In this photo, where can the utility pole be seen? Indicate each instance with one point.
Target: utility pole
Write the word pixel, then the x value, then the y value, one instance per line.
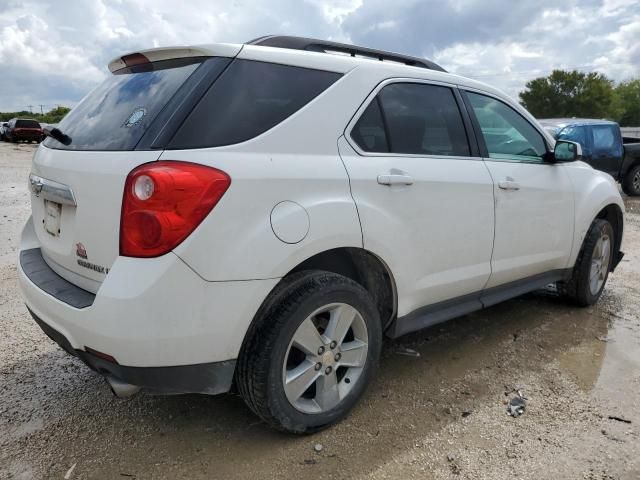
pixel 41 111
pixel 30 108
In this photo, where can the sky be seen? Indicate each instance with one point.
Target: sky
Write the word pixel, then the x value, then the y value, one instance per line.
pixel 55 52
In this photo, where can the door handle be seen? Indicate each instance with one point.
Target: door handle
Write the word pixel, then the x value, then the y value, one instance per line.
pixel 509 185
pixel 395 179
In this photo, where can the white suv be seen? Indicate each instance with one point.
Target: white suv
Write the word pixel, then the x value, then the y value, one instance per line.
pixel 260 215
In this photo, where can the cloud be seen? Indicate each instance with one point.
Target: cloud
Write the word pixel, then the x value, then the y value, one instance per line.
pixel 55 52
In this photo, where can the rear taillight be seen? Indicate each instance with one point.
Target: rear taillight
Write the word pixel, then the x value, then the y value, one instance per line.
pixel 164 202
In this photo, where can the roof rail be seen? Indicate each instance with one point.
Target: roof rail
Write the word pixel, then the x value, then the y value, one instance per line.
pixel 314 45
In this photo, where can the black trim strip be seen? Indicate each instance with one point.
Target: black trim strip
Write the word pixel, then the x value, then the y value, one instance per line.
pixel 468 126
pixel 482 146
pixel 176 110
pixel 456 307
pixel 43 277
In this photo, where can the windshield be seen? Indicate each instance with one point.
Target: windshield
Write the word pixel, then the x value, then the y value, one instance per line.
pixel 117 113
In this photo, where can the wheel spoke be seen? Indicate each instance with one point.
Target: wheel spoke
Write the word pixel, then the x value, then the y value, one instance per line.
pixel 327 393
pixel 341 319
pixel 597 251
pixel 606 251
pixel 299 379
pixel 353 354
pixel 307 338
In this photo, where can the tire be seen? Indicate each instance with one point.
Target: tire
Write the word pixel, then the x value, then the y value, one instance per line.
pixel 631 181
pixel 270 357
pixel 593 261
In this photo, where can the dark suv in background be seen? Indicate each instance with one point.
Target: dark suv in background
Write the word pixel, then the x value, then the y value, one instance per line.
pixel 23 129
pixel 603 147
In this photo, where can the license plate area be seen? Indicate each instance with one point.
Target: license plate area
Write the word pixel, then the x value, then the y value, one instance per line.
pixel 52 214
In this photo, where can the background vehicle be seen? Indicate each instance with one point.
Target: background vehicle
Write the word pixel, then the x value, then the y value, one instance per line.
pixel 263 213
pixel 3 126
pixel 23 130
pixel 603 147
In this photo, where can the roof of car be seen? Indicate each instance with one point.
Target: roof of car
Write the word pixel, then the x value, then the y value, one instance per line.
pixel 564 122
pixel 332 58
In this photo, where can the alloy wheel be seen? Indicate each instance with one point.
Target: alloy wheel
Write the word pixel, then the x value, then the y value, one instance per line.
pixel 325 358
pixel 599 263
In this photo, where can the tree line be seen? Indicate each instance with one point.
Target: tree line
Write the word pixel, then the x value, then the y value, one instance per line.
pixel 586 95
pixel 52 116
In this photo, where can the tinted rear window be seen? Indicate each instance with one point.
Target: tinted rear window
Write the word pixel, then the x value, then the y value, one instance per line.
pixel 27 124
pixel 248 99
pixel 424 120
pixel 117 113
pixel 369 133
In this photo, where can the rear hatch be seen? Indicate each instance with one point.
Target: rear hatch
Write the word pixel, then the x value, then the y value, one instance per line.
pixel 78 178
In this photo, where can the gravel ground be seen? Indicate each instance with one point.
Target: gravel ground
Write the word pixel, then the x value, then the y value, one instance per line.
pixel 439 415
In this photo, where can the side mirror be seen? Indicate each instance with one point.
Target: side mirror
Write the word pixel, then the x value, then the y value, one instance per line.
pixel 566 151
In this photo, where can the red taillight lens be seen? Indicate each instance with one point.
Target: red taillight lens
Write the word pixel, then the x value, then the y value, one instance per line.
pixel 164 202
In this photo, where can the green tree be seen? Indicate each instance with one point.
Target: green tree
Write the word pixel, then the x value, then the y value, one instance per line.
pixel 627 101
pixel 52 116
pixel 569 94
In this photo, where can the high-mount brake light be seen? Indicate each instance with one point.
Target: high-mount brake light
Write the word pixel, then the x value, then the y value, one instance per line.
pixel 135 59
pixel 164 202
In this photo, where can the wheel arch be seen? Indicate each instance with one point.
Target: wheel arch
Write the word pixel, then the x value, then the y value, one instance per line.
pixel 364 268
pixel 612 213
pixel 358 264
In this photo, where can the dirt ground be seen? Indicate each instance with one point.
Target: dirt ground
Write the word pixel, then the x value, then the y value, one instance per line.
pixel 439 415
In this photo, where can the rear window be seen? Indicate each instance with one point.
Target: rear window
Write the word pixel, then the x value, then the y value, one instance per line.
pixel 27 124
pixel 117 113
pixel 248 99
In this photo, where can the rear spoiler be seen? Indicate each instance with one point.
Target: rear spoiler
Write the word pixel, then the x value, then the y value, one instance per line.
pixel 169 53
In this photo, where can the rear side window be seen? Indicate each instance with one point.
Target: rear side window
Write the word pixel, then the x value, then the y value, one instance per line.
pixel 418 119
pixel 118 112
pixel 369 133
pixel 248 99
pixel 27 124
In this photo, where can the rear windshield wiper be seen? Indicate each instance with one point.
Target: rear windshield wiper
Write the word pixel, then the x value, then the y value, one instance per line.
pixel 57 134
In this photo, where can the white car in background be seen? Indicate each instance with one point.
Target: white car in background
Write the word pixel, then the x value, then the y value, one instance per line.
pixel 260 215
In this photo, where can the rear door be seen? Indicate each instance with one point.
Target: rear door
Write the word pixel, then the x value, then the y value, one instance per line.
pixel 533 200
pixel 424 196
pixel 77 186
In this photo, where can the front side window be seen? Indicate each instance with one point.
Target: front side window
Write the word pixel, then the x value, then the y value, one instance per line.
pixel 413 118
pixel 506 133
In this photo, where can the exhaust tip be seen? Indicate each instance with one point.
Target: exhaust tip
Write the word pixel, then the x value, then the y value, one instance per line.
pixel 121 389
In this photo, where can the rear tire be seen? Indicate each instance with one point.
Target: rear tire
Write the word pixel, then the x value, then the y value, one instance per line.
pixel 631 181
pixel 311 353
pixel 592 268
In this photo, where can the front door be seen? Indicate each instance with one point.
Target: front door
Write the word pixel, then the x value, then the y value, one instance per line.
pixel 533 199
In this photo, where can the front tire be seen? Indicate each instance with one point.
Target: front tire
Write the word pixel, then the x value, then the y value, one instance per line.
pixel 631 182
pixel 593 265
pixel 312 352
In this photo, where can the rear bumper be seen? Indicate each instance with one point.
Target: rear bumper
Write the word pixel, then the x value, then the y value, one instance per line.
pixel 154 316
pixel 27 136
pixel 209 378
